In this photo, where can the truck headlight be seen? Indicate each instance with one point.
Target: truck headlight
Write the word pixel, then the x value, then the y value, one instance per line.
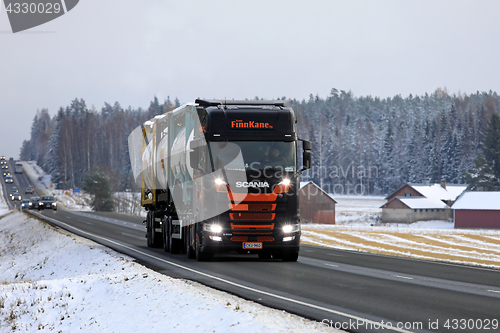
pixel 220 185
pixel 289 228
pixel 216 228
pixel 283 186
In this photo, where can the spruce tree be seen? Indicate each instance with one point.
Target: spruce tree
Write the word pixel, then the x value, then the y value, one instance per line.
pixel 491 145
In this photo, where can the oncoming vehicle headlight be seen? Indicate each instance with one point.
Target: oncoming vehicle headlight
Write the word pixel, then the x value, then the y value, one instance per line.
pixel 289 228
pixel 54 204
pixel 212 228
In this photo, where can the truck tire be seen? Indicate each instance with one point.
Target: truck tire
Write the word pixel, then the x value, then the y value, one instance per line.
pixel 175 245
pixel 190 253
pixel 149 231
pixel 202 254
pixel 164 232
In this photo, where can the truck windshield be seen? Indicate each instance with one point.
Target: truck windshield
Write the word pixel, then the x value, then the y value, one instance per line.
pixel 257 155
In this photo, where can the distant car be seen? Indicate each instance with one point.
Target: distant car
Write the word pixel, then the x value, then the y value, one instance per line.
pixel 16 196
pixel 26 203
pixel 5 166
pixel 13 191
pixel 2 158
pixel 11 159
pixel 34 202
pixel 6 173
pixel 9 179
pixel 47 202
pixel 29 190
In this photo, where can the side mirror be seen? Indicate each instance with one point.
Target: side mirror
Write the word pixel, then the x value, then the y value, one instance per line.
pixel 306 160
pixel 306 145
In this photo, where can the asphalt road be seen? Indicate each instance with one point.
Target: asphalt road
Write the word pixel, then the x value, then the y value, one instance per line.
pixel 359 292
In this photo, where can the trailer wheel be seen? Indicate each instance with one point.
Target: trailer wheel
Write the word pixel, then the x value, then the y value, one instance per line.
pixel 149 231
pixel 164 232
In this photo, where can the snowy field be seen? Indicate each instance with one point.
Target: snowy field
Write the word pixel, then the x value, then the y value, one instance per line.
pixel 430 240
pixel 53 281
pixel 359 228
pixel 358 210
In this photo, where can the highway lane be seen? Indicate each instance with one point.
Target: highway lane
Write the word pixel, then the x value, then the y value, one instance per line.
pixel 325 284
pixel 20 181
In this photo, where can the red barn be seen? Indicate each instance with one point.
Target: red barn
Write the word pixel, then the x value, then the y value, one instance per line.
pixel 316 206
pixel 477 210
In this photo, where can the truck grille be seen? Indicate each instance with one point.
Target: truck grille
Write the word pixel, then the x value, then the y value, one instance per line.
pixel 252 216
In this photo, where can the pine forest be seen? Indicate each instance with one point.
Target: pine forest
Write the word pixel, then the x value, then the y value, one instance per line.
pixel 361 145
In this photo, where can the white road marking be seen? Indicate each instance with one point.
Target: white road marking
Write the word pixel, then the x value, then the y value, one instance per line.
pixel 403 277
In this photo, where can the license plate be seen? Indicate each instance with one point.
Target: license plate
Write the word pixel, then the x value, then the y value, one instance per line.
pixel 252 245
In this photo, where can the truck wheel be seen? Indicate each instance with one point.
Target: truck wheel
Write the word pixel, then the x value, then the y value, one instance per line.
pixel 157 238
pixel 190 253
pixel 202 254
pixel 175 244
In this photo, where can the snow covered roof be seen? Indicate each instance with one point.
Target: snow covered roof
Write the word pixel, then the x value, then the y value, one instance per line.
pixel 437 192
pixel 302 184
pixel 421 202
pixel 479 201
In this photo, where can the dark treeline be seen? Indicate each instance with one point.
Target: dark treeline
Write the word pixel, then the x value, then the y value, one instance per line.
pixel 361 145
pixel 77 139
pixel 366 145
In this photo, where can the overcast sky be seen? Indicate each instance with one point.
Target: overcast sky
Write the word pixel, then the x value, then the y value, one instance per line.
pixel 130 51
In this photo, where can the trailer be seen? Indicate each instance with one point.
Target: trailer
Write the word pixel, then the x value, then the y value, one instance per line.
pixel 221 176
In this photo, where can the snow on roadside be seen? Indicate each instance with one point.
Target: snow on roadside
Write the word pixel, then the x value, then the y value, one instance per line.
pixel 39 179
pixel 51 280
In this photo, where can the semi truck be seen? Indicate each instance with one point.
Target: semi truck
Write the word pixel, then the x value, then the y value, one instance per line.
pixel 18 167
pixel 221 176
